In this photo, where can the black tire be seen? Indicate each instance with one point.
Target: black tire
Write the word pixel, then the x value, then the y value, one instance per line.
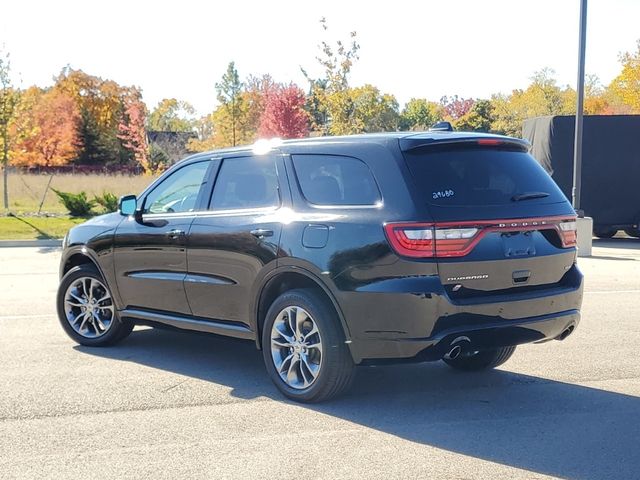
pixel 336 368
pixel 481 360
pixel 604 232
pixel 117 329
pixel 632 232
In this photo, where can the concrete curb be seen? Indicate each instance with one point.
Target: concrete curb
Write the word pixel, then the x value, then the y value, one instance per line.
pixel 30 243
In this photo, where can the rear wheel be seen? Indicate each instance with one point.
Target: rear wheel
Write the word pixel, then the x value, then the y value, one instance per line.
pixel 604 232
pixel 485 359
pixel 304 348
pixel 632 232
pixel 86 309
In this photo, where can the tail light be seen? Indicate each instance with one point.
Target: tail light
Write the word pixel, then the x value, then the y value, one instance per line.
pixel 568 231
pixel 427 240
pixel 442 240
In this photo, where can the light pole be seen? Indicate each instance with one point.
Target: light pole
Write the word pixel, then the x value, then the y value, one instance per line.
pixel 577 151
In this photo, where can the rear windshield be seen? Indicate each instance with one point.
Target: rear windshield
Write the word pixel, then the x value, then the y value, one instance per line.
pixel 481 176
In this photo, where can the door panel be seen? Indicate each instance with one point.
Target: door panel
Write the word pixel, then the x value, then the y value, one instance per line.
pixel 150 247
pixel 151 264
pixel 232 245
pixel 224 261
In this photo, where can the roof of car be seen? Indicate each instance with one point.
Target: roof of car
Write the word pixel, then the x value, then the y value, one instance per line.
pixel 408 139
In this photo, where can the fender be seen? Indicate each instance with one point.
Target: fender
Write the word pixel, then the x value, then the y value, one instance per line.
pixel 99 262
pixel 302 270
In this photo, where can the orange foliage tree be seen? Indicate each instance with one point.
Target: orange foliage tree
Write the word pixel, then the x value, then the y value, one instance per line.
pixel 132 132
pixel 46 129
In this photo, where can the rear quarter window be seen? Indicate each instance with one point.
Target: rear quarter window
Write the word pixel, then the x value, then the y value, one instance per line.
pixel 479 176
pixel 335 180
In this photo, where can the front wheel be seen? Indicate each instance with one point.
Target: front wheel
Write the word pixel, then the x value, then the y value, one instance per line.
pixel 485 359
pixel 86 309
pixel 304 348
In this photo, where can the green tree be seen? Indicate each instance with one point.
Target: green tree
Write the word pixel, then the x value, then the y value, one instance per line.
pixel 230 116
pixel 171 115
pixel 331 101
pixel 372 111
pixel 8 101
pixel 478 119
pixel 420 114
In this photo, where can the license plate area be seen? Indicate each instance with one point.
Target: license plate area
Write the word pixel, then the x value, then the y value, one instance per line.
pixel 518 244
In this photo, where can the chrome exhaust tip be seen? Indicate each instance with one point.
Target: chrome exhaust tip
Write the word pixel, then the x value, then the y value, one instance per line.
pixel 455 348
pixel 453 353
pixel 568 331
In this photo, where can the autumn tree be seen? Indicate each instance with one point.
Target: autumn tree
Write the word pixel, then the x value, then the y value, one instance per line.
pixel 205 135
pixel 420 114
pixel 543 96
pixel 172 115
pixel 46 130
pixel 132 133
pixel 596 101
pixel 100 103
pixel 284 114
pixel 625 88
pixel 256 91
pixel 455 107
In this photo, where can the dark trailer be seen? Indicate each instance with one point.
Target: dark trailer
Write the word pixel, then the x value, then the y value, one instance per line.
pixel 610 165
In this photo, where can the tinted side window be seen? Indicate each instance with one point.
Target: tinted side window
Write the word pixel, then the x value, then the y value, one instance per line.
pixel 335 180
pixel 179 191
pixel 246 182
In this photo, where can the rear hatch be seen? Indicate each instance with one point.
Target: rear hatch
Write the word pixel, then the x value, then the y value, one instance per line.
pixel 499 222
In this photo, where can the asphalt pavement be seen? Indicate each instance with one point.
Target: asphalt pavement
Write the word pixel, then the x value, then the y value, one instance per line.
pixel 183 405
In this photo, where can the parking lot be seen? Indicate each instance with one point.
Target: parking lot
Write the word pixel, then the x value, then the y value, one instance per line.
pixel 178 405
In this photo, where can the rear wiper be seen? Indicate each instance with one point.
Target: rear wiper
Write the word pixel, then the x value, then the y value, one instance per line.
pixel 528 196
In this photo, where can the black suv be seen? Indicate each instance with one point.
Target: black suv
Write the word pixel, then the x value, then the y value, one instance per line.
pixel 335 252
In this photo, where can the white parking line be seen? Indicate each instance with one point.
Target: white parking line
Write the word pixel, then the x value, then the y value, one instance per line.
pixel 612 291
pixel 15 317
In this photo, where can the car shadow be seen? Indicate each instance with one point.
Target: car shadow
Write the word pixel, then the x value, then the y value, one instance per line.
pixel 617 242
pixel 607 257
pixel 527 422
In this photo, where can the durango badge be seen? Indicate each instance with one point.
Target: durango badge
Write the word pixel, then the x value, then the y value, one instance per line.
pixel 468 277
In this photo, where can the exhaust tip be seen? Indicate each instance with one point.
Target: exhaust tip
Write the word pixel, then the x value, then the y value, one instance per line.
pixel 453 353
pixel 568 331
pixel 455 348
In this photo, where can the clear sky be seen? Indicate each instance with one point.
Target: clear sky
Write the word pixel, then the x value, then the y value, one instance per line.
pixel 425 48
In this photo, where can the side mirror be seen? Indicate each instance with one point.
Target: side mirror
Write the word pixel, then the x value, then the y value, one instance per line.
pixel 127 205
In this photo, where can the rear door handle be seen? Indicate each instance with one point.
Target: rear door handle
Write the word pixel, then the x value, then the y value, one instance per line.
pixel 175 233
pixel 262 232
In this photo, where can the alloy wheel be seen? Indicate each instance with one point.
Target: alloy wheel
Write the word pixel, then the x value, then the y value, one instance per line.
pixel 296 347
pixel 89 307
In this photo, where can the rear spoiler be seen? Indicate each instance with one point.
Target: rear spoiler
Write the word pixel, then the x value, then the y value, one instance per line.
pixel 414 142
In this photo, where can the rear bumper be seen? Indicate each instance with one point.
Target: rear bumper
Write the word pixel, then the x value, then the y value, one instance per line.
pixel 416 320
pixel 488 335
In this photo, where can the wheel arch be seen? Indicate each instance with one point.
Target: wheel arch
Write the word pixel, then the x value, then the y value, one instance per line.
pixel 82 255
pixel 289 278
